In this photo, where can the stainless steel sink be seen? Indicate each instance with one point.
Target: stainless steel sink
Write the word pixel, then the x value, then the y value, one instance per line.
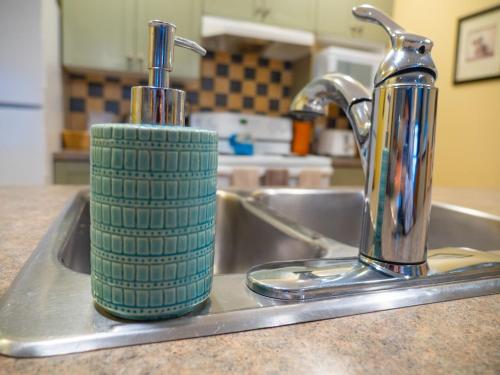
pixel 48 309
pixel 246 235
pixel 337 214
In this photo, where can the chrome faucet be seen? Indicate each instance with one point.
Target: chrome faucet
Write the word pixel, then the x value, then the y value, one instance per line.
pixel 394 129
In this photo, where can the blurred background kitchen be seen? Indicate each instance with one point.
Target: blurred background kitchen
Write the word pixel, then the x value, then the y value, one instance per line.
pixel 67 64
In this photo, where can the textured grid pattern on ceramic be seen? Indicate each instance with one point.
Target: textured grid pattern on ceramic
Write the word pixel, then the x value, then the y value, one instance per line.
pixel 153 197
pixel 229 82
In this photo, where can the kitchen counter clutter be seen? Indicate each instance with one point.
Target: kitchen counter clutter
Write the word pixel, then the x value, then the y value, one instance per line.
pixel 72 167
pixel 451 337
pixel 264 166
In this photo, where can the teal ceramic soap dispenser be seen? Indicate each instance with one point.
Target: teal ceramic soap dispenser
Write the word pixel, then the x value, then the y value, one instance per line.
pixel 153 198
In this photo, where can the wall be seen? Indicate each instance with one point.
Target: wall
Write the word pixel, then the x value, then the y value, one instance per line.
pixel 52 85
pixel 468 121
pixel 229 82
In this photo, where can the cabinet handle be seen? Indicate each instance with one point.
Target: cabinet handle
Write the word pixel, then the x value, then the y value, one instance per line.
pixel 356 30
pixel 138 61
pixel 260 9
pixel 256 8
pixel 265 12
pixel 130 61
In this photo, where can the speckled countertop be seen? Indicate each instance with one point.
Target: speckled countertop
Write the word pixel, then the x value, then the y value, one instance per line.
pixel 450 337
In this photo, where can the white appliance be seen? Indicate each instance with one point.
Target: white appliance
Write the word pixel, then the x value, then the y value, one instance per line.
pixel 31 104
pixel 337 142
pixel 361 65
pixel 271 135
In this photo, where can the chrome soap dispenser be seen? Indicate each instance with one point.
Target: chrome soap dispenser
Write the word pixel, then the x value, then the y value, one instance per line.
pixel 153 199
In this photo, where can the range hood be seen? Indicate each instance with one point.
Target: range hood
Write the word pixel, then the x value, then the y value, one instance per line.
pixel 242 36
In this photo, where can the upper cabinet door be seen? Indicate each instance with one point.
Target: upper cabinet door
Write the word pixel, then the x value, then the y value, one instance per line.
pixel 98 34
pixel 186 15
pixel 247 10
pixel 334 18
pixel 294 14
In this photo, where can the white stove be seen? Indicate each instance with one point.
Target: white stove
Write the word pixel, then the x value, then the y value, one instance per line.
pixel 270 135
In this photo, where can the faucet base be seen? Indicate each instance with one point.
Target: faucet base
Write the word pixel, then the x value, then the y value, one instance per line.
pixel 395 269
pixel 327 278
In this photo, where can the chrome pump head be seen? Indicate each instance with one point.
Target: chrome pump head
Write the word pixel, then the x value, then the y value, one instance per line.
pixel 157 103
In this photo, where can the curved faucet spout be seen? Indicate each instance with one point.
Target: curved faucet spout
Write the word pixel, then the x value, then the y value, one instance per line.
pixel 395 135
pixel 349 94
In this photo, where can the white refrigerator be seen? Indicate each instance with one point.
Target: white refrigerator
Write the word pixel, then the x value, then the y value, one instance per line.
pixel 31 98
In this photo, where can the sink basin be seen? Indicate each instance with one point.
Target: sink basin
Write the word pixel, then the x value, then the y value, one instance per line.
pixel 237 247
pixel 52 291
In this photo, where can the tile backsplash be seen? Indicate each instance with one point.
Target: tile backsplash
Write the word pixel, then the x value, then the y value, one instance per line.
pixel 96 92
pixel 229 82
pixel 242 83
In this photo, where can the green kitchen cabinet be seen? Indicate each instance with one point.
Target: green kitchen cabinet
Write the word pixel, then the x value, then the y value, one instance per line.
pixel 246 10
pixel 98 34
pixel 186 15
pixel 334 18
pixel 112 34
pixel 71 172
pixel 294 14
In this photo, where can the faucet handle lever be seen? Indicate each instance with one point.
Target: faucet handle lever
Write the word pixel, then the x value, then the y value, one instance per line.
pixel 371 14
pixel 408 50
pixel 399 36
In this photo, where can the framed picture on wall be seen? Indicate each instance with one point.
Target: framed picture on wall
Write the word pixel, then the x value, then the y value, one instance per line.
pixel 477 55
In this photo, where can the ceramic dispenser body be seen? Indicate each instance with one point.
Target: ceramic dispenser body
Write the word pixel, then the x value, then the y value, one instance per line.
pixel 153 204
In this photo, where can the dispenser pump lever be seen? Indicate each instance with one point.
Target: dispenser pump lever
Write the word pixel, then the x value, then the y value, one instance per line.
pixel 157 103
pixel 162 40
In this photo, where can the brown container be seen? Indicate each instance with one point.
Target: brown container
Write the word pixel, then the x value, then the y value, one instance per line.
pixel 75 139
